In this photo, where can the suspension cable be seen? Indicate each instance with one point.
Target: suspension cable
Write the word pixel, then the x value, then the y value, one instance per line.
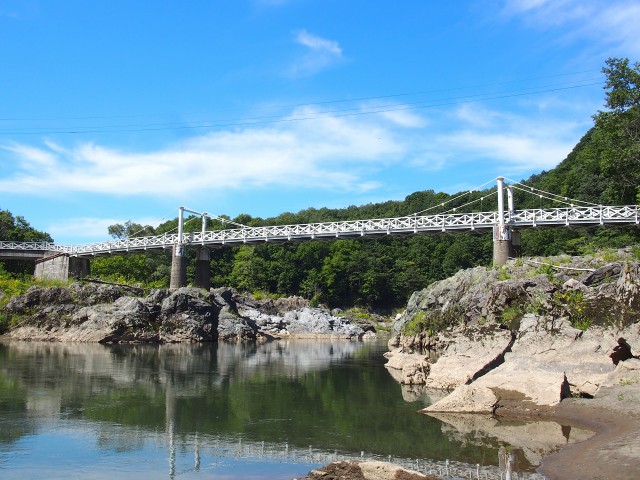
pixel 480 199
pixel 554 196
pixel 442 204
pixel 164 217
pixel 226 220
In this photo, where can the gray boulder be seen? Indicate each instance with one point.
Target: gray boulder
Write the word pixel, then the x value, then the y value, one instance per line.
pixel 235 328
pixel 313 322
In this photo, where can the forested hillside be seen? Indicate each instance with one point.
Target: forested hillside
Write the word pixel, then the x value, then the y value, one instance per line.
pixel 603 168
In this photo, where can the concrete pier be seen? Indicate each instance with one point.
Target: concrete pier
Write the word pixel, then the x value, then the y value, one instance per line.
pixel 501 245
pixel 60 266
pixel 203 271
pixel 178 267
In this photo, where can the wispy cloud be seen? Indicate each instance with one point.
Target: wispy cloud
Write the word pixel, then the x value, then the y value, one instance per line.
pixel 613 22
pixel 327 151
pixel 319 55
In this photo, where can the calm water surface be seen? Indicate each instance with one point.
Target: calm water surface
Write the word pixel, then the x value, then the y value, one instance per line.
pixel 270 411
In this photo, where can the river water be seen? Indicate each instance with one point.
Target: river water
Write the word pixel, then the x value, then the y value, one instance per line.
pixel 271 411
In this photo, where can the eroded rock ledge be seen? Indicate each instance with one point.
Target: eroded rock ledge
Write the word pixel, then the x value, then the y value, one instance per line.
pixel 521 338
pixel 85 312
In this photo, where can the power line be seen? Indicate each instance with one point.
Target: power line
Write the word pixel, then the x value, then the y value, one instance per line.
pixel 325 102
pixel 282 119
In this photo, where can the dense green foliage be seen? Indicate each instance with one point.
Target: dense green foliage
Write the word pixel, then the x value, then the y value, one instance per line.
pixel 603 168
pixel 18 229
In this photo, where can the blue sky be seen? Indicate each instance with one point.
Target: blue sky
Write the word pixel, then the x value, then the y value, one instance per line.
pixel 117 110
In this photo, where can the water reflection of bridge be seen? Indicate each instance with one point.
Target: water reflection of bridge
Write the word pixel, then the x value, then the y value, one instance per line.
pixel 57 379
pixel 216 451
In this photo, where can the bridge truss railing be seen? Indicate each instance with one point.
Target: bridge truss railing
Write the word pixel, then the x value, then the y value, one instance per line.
pixel 449 222
pixel 30 246
pixel 575 216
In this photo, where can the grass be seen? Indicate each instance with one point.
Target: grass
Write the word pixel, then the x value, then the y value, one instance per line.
pixel 416 325
pixel 433 323
pixel 503 273
pixel 510 314
pixel 261 295
pixel 12 286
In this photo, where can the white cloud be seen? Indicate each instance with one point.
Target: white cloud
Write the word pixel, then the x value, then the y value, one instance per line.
pixel 320 54
pixel 328 153
pixel 318 44
pixel 498 141
pixel 405 118
pixel 515 152
pixel 614 23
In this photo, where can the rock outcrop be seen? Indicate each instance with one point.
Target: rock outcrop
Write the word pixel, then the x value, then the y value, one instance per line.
pixel 519 339
pixel 87 312
pixel 366 470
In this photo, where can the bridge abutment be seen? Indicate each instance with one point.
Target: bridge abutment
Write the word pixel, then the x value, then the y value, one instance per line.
pixel 178 267
pixel 203 271
pixel 60 266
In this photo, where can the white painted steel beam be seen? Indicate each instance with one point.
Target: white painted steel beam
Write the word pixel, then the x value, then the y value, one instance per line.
pixel 420 225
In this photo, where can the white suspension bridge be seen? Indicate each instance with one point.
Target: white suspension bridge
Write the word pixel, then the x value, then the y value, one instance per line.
pixel 53 260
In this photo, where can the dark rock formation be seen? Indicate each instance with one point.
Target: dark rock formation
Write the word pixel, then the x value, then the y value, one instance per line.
pixel 93 312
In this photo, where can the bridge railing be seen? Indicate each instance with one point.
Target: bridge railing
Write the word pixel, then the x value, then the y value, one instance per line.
pixel 413 224
pixel 576 215
pixel 30 246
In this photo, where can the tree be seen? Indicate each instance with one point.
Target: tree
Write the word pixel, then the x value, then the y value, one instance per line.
pixel 248 272
pixel 18 229
pixel 130 230
pixel 617 135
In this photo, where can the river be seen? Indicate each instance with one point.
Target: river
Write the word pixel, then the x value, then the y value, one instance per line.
pixel 271 411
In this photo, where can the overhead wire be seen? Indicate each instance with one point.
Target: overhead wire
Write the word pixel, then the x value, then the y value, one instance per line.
pixel 289 118
pixel 325 102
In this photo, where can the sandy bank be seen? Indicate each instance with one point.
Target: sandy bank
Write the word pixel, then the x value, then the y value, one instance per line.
pixel 613 453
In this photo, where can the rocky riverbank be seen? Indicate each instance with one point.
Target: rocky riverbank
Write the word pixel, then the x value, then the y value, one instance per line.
pixel 105 313
pixel 371 470
pixel 538 338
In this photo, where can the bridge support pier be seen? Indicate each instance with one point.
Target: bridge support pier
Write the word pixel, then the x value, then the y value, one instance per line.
pixel 506 244
pixel 60 266
pixel 506 240
pixel 203 271
pixel 178 267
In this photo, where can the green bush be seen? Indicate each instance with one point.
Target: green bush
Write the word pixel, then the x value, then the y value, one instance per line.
pixel 416 325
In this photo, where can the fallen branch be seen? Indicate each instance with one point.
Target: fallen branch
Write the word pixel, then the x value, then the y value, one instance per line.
pixel 559 267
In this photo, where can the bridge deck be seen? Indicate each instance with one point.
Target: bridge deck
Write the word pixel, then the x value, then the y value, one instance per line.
pixel 411 225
